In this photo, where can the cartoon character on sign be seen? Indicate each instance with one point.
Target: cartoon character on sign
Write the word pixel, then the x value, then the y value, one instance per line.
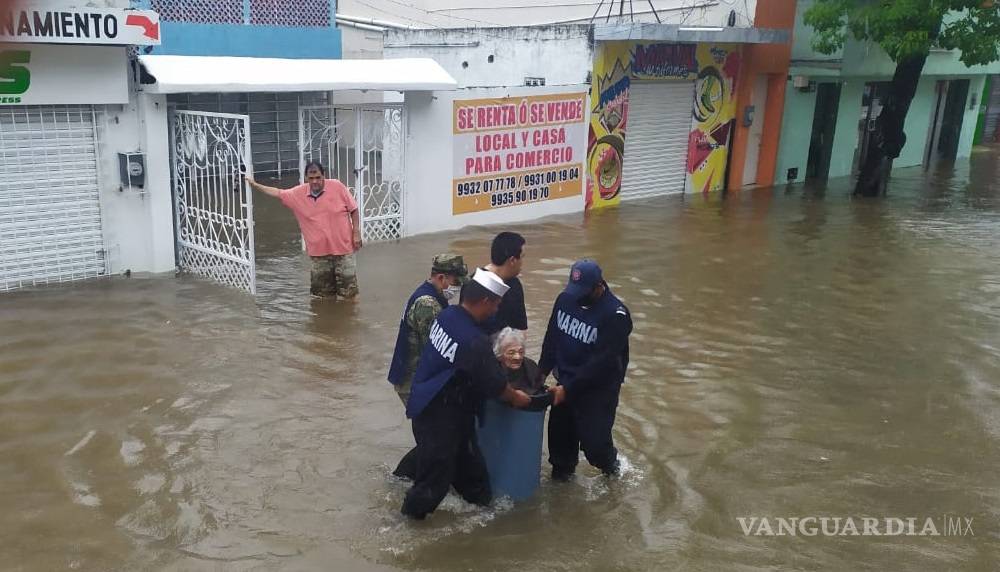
pixel 713 113
pixel 604 157
pixel 709 96
pixel 606 160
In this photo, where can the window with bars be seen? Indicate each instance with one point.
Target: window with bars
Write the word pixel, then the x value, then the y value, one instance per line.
pixel 274 122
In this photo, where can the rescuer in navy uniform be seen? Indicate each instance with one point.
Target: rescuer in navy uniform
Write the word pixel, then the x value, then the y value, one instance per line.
pixel 586 345
pixel 456 372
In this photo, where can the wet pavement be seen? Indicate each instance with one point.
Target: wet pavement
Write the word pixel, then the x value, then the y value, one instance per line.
pixel 796 353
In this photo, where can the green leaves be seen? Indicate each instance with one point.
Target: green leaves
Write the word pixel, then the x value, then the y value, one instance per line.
pixel 976 34
pixel 909 28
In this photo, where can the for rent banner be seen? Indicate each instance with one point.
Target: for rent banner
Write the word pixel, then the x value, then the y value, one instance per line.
pixel 517 150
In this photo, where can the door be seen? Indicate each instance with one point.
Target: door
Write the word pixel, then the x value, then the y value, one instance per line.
pixel 824 128
pixel 210 153
pixel 952 119
pixel 363 145
pixel 50 209
pixel 758 100
pixel 656 140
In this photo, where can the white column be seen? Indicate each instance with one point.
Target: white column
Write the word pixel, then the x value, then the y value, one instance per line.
pixel 155 143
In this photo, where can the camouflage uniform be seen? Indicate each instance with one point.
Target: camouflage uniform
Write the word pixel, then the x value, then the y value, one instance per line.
pixel 421 315
pixel 334 275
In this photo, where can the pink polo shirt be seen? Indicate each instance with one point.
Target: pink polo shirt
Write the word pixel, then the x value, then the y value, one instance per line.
pixel 325 221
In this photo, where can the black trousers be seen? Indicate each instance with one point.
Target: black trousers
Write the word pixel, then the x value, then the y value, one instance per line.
pixel 584 422
pixel 447 455
pixel 407 467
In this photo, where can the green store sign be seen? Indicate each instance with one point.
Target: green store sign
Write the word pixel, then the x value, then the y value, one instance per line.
pixel 15 78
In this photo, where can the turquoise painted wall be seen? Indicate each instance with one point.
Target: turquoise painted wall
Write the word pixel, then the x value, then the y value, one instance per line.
pixel 796 129
pixel 845 140
pixel 918 124
pixel 971 117
pixel 865 59
pixel 247 39
pixel 184 39
pixel 800 108
pixel 793 149
pixel 802 37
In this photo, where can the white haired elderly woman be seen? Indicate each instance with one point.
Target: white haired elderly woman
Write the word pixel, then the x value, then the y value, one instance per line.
pixel 522 372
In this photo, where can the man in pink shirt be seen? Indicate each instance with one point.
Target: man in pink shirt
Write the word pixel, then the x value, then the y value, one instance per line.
pixel 328 219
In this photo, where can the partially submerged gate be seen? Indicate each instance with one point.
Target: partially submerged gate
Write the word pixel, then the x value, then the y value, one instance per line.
pixel 362 145
pixel 213 205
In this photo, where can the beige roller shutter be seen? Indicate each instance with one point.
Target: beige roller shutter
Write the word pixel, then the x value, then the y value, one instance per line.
pixel 50 212
pixel 656 142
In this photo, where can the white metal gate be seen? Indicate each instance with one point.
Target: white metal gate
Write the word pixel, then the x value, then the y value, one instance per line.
pixel 362 145
pixel 274 122
pixel 213 203
pixel 656 143
pixel 50 210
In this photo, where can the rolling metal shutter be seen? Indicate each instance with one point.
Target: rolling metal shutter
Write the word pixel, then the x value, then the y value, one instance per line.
pixel 656 142
pixel 992 123
pixel 50 212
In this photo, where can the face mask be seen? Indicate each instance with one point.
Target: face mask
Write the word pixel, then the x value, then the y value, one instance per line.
pixel 452 292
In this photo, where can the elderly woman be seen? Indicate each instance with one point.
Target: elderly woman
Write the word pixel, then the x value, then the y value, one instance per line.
pixel 522 372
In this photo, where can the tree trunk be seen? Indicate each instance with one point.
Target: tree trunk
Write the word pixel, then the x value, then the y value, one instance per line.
pixel 888 136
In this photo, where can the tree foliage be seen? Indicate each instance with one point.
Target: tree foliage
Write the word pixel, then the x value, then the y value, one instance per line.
pixel 910 28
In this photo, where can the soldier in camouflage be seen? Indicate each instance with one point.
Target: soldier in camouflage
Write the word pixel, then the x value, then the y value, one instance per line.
pixel 448 274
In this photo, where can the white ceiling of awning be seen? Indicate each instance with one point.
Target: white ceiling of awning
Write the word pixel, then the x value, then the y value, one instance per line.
pixel 191 74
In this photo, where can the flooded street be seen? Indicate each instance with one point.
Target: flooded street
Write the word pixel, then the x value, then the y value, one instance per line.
pixel 796 353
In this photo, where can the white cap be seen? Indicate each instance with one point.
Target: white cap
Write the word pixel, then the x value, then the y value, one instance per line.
pixel 490 281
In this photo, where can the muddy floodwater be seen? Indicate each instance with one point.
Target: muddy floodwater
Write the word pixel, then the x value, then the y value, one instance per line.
pixel 796 353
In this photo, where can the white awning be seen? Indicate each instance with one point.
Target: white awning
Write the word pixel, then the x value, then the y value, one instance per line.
pixel 199 74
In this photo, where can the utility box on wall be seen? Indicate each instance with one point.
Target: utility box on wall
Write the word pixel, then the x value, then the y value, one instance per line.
pixel 132 170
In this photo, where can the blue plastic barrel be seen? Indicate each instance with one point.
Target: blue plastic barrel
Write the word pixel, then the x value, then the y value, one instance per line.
pixel 511 442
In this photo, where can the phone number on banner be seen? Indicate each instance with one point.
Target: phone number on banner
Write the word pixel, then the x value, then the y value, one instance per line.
pixel 517 189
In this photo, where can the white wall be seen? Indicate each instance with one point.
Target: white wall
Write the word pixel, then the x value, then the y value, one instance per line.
pixel 427 204
pixel 359 44
pixel 560 54
pixel 971 116
pixel 465 13
pixel 138 223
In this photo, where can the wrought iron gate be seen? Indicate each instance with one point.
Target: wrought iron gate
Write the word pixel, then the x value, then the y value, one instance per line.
pixel 212 202
pixel 362 145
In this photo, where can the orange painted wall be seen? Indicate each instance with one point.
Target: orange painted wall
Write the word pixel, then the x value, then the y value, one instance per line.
pixel 773 60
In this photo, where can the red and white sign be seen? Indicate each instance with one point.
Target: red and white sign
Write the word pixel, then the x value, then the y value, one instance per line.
pixel 39 24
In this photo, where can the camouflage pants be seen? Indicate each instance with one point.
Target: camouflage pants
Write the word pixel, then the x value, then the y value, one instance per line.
pixel 334 276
